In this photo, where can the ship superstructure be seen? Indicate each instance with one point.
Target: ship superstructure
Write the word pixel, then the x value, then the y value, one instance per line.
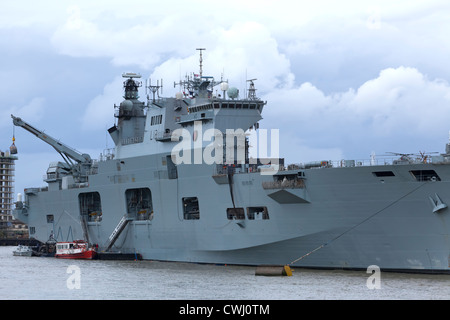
pixel 181 186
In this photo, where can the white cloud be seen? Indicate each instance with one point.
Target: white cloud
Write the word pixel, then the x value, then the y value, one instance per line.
pixel 245 50
pixel 33 111
pixel 397 108
pixel 313 62
pixel 319 39
pixel 28 13
pixel 142 43
pixel 98 115
pixel 404 99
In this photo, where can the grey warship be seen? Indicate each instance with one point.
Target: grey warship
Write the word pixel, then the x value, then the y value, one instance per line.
pixel 238 210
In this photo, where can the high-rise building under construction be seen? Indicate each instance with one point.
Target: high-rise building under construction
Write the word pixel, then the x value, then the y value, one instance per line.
pixel 7 168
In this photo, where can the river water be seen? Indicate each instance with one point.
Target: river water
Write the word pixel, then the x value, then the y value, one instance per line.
pixel 31 278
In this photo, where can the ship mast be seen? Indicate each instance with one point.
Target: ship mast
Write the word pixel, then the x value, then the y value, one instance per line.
pixel 201 61
pixel 252 90
pixel 199 86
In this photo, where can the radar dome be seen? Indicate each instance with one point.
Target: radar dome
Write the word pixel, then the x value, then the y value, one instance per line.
pixel 224 86
pixel 233 93
pixel 126 105
pixel 179 95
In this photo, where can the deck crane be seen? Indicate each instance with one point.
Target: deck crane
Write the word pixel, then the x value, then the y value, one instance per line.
pixel 79 164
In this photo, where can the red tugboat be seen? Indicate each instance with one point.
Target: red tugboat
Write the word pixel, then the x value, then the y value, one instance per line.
pixel 78 249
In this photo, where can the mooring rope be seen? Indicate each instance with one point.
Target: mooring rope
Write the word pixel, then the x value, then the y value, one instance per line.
pixel 357 225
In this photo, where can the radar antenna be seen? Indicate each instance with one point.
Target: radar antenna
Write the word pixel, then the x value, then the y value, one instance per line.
pixel 131 86
pixel 201 61
pixel 154 89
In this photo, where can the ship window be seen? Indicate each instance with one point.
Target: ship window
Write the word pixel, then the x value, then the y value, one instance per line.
pixel 139 203
pixel 235 213
pixel 32 230
pixel 384 174
pixel 425 175
pixel 156 120
pixel 50 218
pixel 172 171
pixel 191 210
pixel 90 205
pixel 257 213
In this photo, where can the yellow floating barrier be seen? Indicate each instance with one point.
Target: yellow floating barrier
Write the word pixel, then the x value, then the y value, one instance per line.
pixel 272 271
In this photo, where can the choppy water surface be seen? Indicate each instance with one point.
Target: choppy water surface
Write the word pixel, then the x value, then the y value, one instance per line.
pixel 51 278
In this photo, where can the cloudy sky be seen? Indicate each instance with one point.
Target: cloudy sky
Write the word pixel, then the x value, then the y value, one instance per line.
pixel 342 78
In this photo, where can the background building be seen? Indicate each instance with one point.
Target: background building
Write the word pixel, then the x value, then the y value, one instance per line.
pixel 9 227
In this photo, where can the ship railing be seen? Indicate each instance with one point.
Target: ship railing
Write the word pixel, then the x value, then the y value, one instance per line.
pixel 265 165
pixel 282 184
pixel 35 190
pixel 382 161
pixel 119 113
pixel 107 154
pixel 233 169
pixel 164 136
pixel 365 162
pixel 376 162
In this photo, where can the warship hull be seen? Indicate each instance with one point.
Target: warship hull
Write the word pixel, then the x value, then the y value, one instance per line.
pixel 150 198
pixel 353 217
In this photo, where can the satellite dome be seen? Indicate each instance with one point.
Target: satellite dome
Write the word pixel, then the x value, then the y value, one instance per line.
pixel 224 86
pixel 126 105
pixel 179 95
pixel 233 93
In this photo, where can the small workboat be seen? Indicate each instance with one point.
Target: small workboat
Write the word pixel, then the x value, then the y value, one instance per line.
pixel 78 249
pixel 24 251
